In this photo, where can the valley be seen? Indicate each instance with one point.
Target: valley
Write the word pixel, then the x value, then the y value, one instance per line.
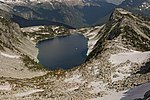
pixel 76 14
pixel 117 59
pixel 114 64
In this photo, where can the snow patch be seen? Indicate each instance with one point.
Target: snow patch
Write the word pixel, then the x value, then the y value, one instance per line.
pixel 97 87
pixel 122 11
pixel 72 89
pixel 28 92
pixel 92 35
pixel 45 33
pixel 6 87
pixel 55 28
pixel 9 56
pixel 32 29
pixel 75 78
pixel 121 73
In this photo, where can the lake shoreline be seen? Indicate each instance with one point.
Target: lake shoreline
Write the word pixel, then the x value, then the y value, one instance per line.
pixel 63 51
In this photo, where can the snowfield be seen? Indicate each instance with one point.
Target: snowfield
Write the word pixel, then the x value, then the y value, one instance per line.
pixel 124 71
pixel 137 57
pixel 137 92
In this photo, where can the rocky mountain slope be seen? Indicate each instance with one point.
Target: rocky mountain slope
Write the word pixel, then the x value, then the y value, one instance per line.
pixel 15 48
pixel 118 58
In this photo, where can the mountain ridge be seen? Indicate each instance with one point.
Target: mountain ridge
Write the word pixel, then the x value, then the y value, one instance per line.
pixel 120 22
pixel 72 15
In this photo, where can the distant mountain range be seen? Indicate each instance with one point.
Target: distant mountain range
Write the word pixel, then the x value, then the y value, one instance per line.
pixel 74 13
pixel 137 6
pixel 69 2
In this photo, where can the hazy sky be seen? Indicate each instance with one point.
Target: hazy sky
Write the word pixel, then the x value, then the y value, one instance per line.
pixel 115 1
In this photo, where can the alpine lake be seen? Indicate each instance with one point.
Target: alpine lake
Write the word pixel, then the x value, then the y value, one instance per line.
pixel 63 52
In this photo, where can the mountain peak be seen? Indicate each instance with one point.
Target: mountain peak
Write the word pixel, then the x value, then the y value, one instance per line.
pixel 122 11
pixel 131 30
pixel 119 13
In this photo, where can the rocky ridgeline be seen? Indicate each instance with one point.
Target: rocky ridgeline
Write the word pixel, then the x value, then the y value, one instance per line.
pixel 131 30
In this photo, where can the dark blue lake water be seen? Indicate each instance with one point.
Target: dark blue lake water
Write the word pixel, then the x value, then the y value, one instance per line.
pixel 63 52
